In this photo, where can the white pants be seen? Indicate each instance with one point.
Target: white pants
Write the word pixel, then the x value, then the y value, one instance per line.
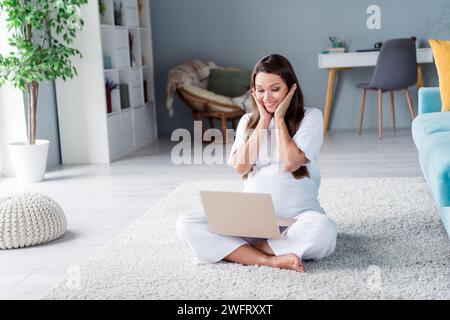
pixel 311 237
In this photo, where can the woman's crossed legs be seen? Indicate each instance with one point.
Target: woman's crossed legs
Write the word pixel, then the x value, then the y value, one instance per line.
pixel 312 236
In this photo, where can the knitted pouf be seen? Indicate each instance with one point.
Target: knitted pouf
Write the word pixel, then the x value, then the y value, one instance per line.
pixel 27 219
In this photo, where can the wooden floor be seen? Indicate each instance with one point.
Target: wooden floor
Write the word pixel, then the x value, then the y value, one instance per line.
pixel 102 200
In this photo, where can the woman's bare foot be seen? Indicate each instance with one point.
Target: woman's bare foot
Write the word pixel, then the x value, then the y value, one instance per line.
pixel 287 261
pixel 250 256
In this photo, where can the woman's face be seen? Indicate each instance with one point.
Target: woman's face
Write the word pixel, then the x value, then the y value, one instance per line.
pixel 270 90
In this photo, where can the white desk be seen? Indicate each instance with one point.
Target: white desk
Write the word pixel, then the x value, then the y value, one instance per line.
pixel 335 62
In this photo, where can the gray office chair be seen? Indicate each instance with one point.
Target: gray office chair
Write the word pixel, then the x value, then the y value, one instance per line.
pixel 396 69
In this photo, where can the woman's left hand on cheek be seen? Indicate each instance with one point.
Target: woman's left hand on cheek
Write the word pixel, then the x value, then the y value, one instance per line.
pixel 284 105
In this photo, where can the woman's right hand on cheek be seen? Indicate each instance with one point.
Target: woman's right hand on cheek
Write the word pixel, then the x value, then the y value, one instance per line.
pixel 263 114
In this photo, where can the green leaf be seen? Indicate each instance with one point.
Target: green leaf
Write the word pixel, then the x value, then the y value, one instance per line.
pixel 28 61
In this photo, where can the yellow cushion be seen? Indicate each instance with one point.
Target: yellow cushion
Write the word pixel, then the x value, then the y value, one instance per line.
pixel 441 53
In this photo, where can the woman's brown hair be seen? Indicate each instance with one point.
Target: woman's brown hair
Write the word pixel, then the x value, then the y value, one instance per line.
pixel 279 65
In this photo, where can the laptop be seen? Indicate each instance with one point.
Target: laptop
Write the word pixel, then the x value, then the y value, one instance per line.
pixel 243 214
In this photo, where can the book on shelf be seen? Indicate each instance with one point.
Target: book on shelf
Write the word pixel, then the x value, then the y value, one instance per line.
pixel 124 96
pixel 145 91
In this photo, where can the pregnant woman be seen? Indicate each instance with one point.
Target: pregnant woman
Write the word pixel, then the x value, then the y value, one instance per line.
pixel 275 151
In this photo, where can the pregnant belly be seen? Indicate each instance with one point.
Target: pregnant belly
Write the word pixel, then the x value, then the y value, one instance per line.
pixel 289 196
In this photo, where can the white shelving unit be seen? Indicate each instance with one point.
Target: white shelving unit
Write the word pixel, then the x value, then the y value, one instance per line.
pixel 117 47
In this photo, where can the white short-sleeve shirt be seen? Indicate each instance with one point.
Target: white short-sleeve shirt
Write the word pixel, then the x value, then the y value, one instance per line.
pixel 290 196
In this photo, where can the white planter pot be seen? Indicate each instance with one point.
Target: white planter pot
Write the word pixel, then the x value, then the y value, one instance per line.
pixel 30 160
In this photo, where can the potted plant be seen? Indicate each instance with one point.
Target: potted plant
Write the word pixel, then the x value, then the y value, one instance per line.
pixel 109 87
pixel 41 34
pixel 101 8
pixel 102 11
pixel 118 13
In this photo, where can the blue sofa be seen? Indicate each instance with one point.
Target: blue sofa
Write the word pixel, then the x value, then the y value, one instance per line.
pixel 431 134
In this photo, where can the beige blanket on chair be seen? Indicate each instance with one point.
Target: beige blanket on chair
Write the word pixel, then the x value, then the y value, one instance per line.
pixel 191 72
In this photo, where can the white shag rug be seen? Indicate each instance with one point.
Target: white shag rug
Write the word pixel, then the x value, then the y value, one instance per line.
pixel 391 245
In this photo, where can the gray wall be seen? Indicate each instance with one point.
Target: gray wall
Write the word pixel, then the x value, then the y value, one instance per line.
pixel 47 121
pixel 239 32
